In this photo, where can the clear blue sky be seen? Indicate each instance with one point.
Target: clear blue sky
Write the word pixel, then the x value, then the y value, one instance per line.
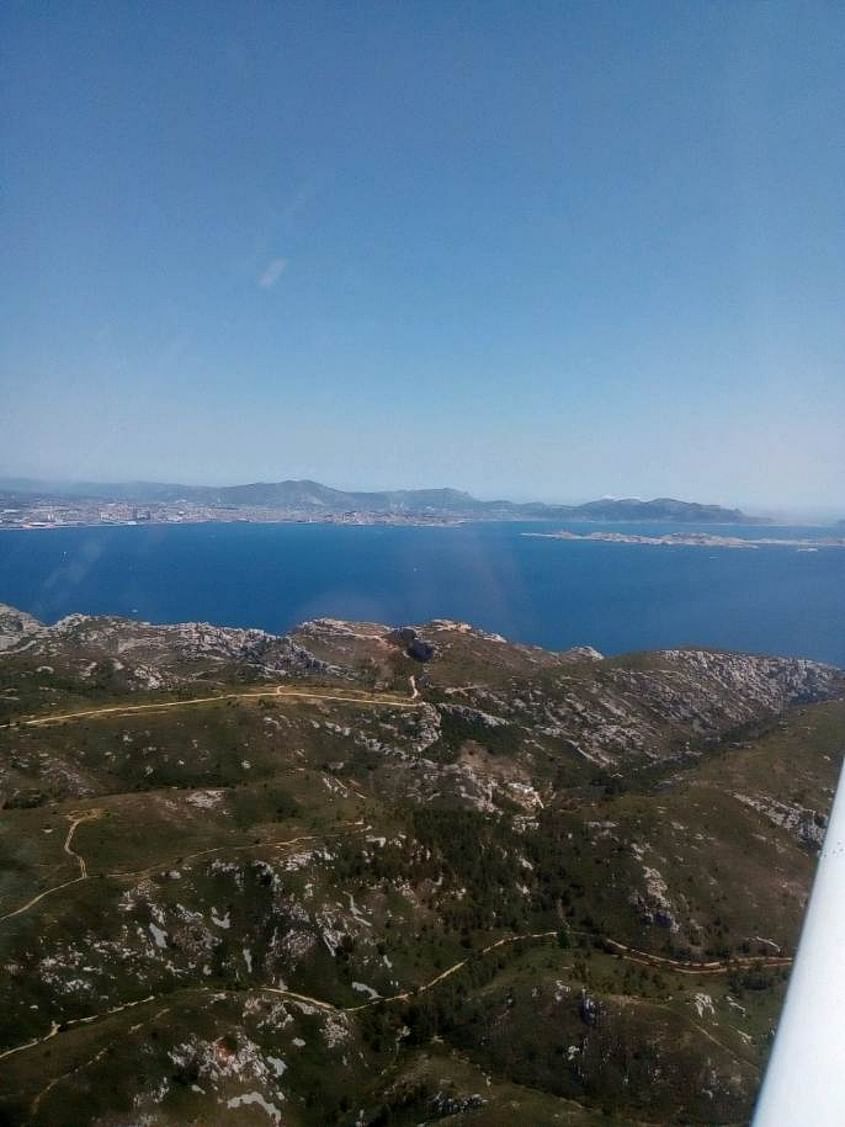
pixel 548 250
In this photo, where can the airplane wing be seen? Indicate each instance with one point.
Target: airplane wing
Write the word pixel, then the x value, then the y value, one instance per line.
pixel 805 1078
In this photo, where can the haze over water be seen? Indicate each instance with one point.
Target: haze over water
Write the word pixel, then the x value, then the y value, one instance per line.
pixel 551 593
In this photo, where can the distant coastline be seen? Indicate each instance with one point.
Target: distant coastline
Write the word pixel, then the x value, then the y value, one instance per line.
pixel 31 504
pixel 349 520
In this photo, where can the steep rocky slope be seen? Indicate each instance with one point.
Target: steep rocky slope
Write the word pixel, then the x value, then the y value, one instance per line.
pixel 363 875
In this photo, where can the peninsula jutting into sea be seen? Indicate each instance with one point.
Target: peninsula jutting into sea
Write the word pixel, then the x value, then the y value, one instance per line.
pixel 25 503
pixel 697 540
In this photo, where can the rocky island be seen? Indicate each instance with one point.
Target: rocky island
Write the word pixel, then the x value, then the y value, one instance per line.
pixel 696 540
pixel 359 874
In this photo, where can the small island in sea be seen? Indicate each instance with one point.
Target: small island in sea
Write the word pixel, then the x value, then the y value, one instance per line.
pixel 697 540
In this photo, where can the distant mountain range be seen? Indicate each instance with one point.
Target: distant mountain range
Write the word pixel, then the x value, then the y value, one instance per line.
pixel 313 498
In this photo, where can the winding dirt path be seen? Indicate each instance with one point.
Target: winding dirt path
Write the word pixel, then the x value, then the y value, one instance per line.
pixel 716 966
pixel 76 820
pixel 350 696
pixel 91 1060
pixel 56 1027
pixel 407 995
pixel 91 815
pixel 169 863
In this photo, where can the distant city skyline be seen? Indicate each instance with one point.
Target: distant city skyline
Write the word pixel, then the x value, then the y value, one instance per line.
pixel 551 252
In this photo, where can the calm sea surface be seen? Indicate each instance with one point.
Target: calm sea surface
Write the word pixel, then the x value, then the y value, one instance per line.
pixel 553 593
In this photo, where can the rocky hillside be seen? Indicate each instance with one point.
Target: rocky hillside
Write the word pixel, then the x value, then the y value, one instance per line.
pixel 365 875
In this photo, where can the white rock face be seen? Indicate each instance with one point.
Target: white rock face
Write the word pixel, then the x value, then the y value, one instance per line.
pixel 159 935
pixel 272 1111
pixel 362 988
pixel 150 655
pixel 448 624
pixel 17 628
pixel 806 825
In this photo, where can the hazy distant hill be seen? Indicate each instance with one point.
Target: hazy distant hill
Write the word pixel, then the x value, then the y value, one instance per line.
pixel 312 497
pixel 662 508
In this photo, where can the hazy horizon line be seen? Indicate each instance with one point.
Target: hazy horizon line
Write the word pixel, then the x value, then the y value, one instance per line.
pixel 517 497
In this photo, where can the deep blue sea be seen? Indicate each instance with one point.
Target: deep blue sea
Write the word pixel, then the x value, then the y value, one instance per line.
pixel 550 592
